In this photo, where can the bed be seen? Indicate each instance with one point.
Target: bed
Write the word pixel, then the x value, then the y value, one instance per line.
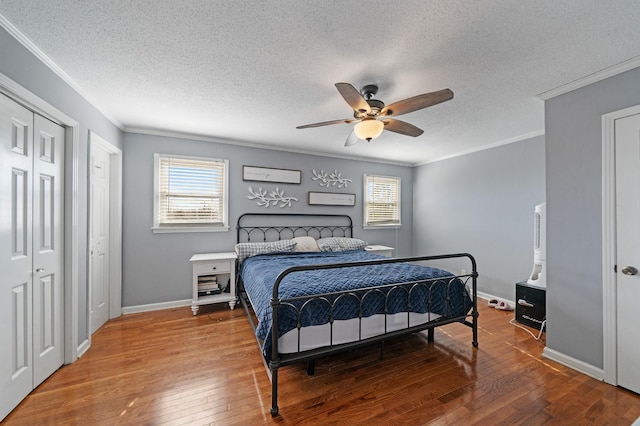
pixel 311 289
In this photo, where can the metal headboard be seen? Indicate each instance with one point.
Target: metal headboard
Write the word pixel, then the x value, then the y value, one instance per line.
pixel 262 227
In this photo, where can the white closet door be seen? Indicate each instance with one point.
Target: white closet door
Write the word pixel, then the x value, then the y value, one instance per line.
pixel 16 255
pixel 48 249
pixel 31 251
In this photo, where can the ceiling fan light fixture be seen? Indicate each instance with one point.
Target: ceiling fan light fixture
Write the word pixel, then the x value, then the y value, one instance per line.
pixel 368 128
pixel 372 116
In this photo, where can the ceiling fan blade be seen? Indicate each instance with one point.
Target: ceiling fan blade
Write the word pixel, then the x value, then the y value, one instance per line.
pixel 417 102
pixel 327 123
pixel 353 97
pixel 402 127
pixel 351 139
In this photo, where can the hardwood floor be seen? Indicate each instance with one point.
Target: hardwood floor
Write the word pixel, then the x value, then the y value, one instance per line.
pixel 169 367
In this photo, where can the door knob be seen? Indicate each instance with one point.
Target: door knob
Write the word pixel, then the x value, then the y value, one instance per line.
pixel 39 270
pixel 629 270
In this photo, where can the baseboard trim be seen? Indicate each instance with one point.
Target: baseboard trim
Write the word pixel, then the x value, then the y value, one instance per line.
pixel 83 347
pixel 155 306
pixel 575 364
pixel 487 297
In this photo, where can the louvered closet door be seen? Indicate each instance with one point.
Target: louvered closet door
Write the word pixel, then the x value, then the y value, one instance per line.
pixel 31 250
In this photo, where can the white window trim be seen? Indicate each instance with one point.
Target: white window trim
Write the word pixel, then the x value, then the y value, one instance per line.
pixel 157 229
pixel 364 204
pixel 391 226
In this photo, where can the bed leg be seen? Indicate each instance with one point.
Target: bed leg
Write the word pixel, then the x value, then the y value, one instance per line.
pixel 430 335
pixel 274 392
pixel 475 330
pixel 381 350
pixel 311 367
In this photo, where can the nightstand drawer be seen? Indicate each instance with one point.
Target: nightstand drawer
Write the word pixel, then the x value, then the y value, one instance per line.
pixel 213 266
pixel 530 305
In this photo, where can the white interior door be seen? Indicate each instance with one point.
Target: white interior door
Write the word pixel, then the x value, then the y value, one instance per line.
pixel 48 248
pixel 16 256
pixel 31 251
pixel 627 151
pixel 99 234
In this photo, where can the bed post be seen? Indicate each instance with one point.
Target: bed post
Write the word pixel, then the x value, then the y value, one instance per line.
pixel 474 314
pixel 311 367
pixel 274 390
pixel 274 364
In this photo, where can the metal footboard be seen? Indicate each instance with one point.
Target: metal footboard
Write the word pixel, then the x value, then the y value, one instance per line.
pixel 360 296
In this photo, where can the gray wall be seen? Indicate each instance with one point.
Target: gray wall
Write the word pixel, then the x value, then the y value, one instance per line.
pixel 21 66
pixel 574 215
pixel 482 203
pixel 156 267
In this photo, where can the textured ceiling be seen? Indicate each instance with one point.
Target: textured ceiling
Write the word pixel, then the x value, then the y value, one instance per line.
pixel 251 71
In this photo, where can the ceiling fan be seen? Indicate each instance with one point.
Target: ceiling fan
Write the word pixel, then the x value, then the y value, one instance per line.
pixel 372 116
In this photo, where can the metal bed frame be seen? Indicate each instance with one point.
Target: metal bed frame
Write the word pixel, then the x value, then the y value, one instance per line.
pixel 249 233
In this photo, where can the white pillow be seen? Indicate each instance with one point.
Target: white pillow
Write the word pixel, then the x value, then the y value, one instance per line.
pixel 306 244
pixel 340 244
pixel 245 250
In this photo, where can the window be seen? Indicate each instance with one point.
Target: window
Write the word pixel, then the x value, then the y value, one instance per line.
pixel 190 194
pixel 382 201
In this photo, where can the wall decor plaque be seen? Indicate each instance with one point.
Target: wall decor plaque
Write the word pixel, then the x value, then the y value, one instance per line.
pixel 331 199
pixel 265 174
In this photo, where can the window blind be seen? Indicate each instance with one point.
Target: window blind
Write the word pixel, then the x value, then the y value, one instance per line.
pixel 382 204
pixel 191 191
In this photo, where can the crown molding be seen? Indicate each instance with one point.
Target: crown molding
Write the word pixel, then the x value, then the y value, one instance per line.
pixel 204 138
pixel 590 79
pixel 48 62
pixel 488 146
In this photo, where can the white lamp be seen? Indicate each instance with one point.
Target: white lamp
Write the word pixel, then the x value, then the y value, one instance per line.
pixel 368 128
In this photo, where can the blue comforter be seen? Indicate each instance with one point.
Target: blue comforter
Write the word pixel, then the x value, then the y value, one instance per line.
pixel 446 297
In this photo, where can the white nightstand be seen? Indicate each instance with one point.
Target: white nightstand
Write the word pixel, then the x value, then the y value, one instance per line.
pixel 214 279
pixel 379 249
